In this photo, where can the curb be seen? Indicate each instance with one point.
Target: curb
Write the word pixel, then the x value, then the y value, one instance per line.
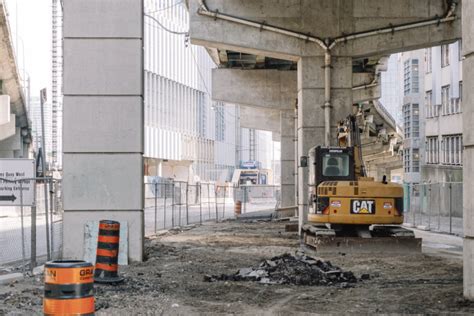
pixel 7 279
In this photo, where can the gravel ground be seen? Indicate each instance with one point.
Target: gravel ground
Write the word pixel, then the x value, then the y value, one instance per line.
pixel 172 280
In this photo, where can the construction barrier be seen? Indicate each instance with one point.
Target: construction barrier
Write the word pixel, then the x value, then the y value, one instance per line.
pixel 68 288
pixel 238 208
pixel 106 267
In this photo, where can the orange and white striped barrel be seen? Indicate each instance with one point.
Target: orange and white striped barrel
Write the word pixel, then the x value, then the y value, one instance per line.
pixel 106 266
pixel 68 288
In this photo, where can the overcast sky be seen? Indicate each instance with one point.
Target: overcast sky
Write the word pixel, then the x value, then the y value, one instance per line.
pixel 34 40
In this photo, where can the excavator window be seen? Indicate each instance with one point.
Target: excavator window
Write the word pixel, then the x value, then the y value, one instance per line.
pixel 336 165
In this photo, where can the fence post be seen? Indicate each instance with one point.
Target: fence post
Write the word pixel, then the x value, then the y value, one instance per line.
pixel 164 207
pixel 223 208
pixel 172 204
pixel 22 230
pixel 429 206
pixel 245 199
pixel 450 210
pixel 180 202
pixel 33 230
pixel 200 202
pixel 45 192
pixel 187 203
pixel 412 191
pixel 439 206
pixel 51 209
pixel 155 186
pixel 209 199
pixel 215 200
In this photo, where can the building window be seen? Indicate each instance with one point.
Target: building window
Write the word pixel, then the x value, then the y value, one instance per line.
pixel 415 83
pixel 406 160
pixel 415 160
pixel 452 150
pixel 458 101
pixel 444 55
pixel 415 120
pixel 432 150
pixel 460 49
pixel 202 114
pixel 431 109
pixel 220 122
pixel 445 100
pixel 428 60
pixel 406 77
pixel 407 120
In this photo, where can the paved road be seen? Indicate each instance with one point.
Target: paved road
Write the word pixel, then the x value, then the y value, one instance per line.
pixel 11 241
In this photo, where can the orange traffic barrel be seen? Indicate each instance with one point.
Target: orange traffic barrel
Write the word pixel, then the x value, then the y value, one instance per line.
pixel 106 265
pixel 68 288
pixel 238 208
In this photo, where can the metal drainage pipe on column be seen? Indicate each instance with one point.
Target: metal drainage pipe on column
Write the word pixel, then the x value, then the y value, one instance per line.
pixel 327 98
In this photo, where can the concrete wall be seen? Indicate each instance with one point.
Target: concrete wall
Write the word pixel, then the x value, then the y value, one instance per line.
pixel 260 118
pixel 468 141
pixel 103 119
pixel 275 89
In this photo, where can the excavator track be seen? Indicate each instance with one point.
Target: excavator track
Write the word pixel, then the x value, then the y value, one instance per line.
pixel 382 240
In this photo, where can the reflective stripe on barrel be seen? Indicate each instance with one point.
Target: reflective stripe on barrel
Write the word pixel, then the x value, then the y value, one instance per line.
pixel 68 288
pixel 80 306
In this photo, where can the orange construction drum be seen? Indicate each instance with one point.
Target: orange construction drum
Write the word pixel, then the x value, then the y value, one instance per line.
pixel 68 288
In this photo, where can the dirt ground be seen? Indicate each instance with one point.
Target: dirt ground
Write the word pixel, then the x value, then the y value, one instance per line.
pixel 171 281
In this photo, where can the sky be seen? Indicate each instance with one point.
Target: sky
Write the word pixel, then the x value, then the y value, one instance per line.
pixel 33 19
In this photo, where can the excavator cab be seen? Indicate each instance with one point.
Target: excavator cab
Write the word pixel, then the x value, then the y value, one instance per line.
pixel 331 164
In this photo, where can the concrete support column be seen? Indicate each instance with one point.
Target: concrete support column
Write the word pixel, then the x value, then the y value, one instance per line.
pixel 311 112
pixel 287 130
pixel 468 141
pixel 103 120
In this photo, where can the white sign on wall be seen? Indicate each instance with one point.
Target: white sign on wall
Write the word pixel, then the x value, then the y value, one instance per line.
pixel 15 169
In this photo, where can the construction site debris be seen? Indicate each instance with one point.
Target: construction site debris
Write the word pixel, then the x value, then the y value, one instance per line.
pixel 290 269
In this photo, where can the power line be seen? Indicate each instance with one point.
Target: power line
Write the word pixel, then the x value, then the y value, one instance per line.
pixel 164 27
pixel 166 8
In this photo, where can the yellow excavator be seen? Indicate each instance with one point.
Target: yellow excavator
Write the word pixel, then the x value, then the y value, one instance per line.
pixel 344 202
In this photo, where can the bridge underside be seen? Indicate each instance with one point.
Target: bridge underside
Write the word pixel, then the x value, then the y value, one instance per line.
pixel 15 131
pixel 313 38
pixel 261 45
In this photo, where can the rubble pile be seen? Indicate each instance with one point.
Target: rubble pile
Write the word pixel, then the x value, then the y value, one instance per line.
pixel 289 269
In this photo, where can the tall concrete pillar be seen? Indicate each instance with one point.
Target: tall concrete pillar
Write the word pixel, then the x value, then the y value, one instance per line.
pixel 311 112
pixel 287 130
pixel 468 141
pixel 103 119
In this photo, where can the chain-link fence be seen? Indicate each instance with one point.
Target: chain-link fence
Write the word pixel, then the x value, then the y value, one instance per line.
pixel 31 234
pixel 435 206
pixel 171 203
pixel 258 197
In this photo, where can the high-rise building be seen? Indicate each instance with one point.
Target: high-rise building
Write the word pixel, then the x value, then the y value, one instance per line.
pixel 390 81
pixel 187 136
pixel 443 146
pixel 412 81
pixel 56 84
pixel 430 92
pixel 36 127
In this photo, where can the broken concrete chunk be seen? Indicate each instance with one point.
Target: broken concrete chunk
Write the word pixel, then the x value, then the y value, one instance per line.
pixel 289 269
